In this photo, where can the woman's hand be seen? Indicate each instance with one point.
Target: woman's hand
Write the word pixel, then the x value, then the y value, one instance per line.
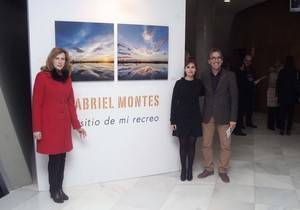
pixel 37 135
pixel 174 127
pixel 81 132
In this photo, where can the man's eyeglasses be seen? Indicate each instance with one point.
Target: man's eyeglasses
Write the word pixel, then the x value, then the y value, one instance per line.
pixel 216 58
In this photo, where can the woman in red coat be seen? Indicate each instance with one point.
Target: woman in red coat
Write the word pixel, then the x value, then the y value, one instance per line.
pixel 53 113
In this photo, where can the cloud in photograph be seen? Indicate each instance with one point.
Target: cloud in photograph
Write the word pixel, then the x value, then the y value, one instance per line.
pixel 91 48
pixel 86 41
pixel 142 43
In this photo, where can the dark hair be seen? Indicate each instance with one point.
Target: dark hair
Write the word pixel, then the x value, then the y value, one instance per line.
pixel 193 61
pixel 212 50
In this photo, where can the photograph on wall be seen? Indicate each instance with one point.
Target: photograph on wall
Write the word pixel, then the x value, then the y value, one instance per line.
pixel 91 48
pixel 142 52
pixel 295 5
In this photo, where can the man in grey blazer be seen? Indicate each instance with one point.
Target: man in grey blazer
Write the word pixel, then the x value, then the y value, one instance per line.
pixel 219 112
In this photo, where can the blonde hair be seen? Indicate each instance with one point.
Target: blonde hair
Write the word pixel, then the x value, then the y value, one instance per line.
pixel 54 52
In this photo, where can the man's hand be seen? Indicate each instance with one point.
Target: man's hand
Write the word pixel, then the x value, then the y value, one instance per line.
pixel 242 67
pixel 232 125
pixel 260 79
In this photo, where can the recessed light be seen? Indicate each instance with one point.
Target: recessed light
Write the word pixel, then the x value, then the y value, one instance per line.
pixel 227 1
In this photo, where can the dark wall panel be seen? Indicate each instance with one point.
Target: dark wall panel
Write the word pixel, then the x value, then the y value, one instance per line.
pixel 14 70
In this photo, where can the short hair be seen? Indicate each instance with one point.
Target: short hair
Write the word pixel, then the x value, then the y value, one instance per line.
pixel 212 50
pixel 247 54
pixel 193 61
pixel 54 52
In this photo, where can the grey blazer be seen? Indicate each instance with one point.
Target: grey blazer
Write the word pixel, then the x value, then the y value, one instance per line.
pixel 223 104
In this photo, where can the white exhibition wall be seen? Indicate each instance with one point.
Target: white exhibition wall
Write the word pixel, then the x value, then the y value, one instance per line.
pixel 114 151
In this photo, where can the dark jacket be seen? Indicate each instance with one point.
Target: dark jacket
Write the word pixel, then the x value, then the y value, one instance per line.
pixel 245 82
pixel 185 107
pixel 286 87
pixel 221 104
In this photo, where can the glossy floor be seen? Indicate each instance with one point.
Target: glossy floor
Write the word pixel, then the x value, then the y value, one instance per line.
pixel 265 175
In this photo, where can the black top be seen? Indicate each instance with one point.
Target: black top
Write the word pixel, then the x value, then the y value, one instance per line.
pixel 245 82
pixel 286 86
pixel 185 108
pixel 215 79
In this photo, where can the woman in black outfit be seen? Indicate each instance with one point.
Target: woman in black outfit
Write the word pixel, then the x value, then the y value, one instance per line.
pixel 186 117
pixel 286 89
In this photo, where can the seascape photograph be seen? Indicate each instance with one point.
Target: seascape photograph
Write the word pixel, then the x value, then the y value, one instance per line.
pixel 142 52
pixel 91 48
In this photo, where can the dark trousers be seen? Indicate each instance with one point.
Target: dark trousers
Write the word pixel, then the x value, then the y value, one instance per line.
pixel 187 152
pixel 286 116
pixel 245 110
pixel 56 167
pixel 248 107
pixel 249 113
pixel 240 117
pixel 273 118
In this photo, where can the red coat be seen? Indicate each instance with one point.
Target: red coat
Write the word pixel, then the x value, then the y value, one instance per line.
pixel 53 112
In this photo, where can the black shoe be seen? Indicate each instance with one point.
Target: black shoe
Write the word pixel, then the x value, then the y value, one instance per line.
pixel 56 196
pixel 281 132
pixel 288 132
pixel 251 125
pixel 183 175
pixel 277 126
pixel 239 133
pixel 271 128
pixel 63 195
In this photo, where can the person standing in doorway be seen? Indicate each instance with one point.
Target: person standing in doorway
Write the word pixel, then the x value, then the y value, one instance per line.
pixel 286 89
pixel 272 99
pixel 246 84
pixel 219 112
pixel 248 89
